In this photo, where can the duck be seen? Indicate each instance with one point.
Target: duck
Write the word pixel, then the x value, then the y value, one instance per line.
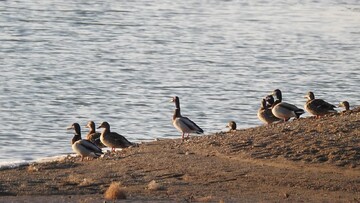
pixel 269 101
pixel 84 148
pixel 183 124
pixel 283 110
pixel 92 135
pixel 231 125
pixel 112 139
pixel 264 113
pixel 345 104
pixel 318 107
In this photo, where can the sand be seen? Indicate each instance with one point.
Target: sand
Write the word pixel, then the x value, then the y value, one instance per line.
pixel 304 160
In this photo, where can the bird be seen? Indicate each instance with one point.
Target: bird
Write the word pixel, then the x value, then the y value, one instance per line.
pixel 269 101
pixel 284 110
pixel 183 124
pixel 318 107
pixel 231 125
pixel 94 136
pixel 84 148
pixel 112 139
pixel 264 113
pixel 345 104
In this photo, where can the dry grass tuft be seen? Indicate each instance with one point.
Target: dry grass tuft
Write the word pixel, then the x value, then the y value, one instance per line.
pixel 115 191
pixel 154 186
pixel 32 168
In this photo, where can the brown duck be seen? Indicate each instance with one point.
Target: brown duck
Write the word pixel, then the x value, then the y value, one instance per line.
pixel 264 113
pixel 94 136
pixel 318 107
pixel 112 139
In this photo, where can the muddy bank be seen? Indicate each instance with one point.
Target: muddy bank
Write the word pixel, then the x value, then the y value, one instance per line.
pixel 309 159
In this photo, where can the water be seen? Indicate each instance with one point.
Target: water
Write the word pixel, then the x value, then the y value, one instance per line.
pixel 122 61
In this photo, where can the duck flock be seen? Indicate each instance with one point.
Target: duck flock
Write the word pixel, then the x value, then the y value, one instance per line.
pixel 270 111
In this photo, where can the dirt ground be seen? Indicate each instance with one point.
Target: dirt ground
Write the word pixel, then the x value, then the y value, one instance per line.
pixel 305 160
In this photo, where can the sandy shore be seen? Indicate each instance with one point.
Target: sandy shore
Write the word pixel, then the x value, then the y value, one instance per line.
pixel 305 160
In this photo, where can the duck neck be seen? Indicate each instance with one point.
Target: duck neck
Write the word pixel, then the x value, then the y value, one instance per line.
pixel 311 96
pixel 106 130
pixel 92 130
pixel 278 98
pixel 177 114
pixel 276 102
pixel 76 138
pixel 177 103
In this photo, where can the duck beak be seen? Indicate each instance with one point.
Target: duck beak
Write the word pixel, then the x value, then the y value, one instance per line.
pixel 100 126
pixel 69 128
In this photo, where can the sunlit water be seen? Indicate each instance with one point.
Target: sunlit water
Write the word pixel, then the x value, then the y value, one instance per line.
pixel 122 61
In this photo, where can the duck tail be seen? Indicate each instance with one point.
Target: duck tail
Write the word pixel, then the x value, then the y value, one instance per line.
pixel 298 112
pixel 200 131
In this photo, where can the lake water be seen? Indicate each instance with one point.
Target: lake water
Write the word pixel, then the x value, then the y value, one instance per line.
pixel 122 61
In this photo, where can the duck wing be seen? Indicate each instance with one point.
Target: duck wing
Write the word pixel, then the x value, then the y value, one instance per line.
pixel 289 108
pixel 322 106
pixel 95 138
pixel 120 140
pixel 191 125
pixel 90 146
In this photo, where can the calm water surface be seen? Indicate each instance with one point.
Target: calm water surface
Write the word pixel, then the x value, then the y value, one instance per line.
pixel 122 61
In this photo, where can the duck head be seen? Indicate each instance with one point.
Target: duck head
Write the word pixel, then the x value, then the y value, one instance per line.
pixel 231 125
pixel 176 100
pixel 76 127
pixel 310 96
pixel 345 104
pixel 90 125
pixel 270 100
pixel 105 125
pixel 277 94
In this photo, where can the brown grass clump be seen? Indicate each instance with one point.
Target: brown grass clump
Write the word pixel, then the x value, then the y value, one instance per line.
pixel 154 186
pixel 115 191
pixel 32 168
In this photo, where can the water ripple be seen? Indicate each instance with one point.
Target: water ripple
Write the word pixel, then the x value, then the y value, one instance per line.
pixel 122 62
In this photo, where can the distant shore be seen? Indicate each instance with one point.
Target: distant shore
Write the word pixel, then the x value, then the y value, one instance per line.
pixel 311 160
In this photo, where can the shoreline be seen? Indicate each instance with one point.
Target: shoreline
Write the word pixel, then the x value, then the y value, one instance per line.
pixel 312 160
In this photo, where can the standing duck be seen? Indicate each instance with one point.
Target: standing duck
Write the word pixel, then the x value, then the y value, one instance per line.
pixel 84 148
pixel 113 139
pixel 345 104
pixel 318 107
pixel 264 113
pixel 284 110
pixel 183 124
pixel 94 136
